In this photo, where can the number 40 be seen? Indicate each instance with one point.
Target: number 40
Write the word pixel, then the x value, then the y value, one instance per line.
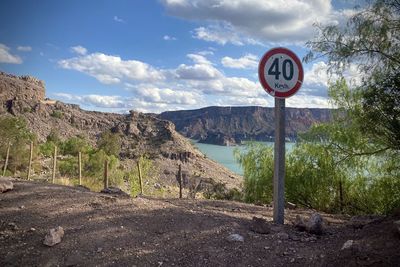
pixel 274 69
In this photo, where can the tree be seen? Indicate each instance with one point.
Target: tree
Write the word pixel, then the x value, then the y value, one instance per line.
pixel 110 143
pixel 257 163
pixel 14 131
pixel 370 39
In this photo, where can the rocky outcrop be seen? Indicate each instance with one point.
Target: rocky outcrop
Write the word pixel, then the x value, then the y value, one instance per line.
pixel 216 124
pixel 141 134
pixel 218 138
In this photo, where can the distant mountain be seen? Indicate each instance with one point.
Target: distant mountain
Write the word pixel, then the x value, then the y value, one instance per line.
pixel 232 125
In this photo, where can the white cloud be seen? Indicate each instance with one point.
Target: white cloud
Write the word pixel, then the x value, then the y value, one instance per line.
pixel 101 101
pixel 206 53
pixel 218 35
pixel 112 69
pixel 246 62
pixel 118 19
pixel 7 57
pixel 167 96
pixel 24 48
pixel 80 50
pixel 201 70
pixel 191 85
pixel 169 38
pixel 305 101
pixel 242 21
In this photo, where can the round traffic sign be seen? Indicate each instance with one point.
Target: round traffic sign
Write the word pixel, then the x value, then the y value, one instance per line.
pixel 280 72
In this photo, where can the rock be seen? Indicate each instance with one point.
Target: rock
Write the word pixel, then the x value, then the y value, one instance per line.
pixel 397 227
pixel 315 224
pixel 54 236
pixel 5 185
pixel 348 244
pixel 235 238
pixel 13 226
pixel 300 223
pixel 83 188
pixel 290 205
pixel 114 191
pixel 282 236
pixel 260 226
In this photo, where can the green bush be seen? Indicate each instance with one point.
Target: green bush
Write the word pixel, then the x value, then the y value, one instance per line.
pixel 257 163
pixel 110 143
pixel 14 131
pixel 68 167
pixel 149 175
pixel 57 114
pixel 74 145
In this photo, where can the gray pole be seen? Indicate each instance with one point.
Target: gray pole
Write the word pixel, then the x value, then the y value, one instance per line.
pixel 279 162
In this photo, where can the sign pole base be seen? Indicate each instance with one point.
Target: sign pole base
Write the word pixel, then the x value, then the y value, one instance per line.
pixel 279 162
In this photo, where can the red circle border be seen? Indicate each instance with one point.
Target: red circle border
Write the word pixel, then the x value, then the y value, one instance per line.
pixel 261 66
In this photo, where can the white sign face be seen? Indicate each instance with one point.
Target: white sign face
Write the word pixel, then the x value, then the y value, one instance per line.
pixel 280 72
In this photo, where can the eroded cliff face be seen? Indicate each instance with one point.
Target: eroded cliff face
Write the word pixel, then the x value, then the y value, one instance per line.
pixel 141 134
pixel 236 124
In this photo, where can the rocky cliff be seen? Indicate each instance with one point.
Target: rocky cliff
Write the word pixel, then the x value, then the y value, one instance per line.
pixel 140 133
pixel 230 125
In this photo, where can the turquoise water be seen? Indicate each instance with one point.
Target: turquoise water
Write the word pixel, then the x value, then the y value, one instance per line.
pixel 224 154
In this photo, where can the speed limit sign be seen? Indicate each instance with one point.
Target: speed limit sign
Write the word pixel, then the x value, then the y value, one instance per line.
pixel 280 72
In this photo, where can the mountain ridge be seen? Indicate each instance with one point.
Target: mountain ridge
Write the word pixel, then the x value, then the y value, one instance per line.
pixel 233 125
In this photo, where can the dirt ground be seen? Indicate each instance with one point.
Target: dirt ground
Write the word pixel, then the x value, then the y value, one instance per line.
pixel 109 230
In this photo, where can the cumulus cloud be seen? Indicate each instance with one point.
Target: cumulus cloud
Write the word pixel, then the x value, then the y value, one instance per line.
pixel 201 70
pixel 240 21
pixel 101 101
pixel 110 69
pixel 192 85
pixel 118 19
pixel 7 57
pixel 24 48
pixel 218 34
pixel 246 62
pixel 153 94
pixel 169 38
pixel 80 50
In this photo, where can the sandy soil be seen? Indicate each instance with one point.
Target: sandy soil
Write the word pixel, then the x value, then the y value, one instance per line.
pixel 110 230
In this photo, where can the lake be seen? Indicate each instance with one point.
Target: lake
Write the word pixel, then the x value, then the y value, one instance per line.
pixel 224 154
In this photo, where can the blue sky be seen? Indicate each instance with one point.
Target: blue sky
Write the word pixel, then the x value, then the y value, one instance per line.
pixel 157 55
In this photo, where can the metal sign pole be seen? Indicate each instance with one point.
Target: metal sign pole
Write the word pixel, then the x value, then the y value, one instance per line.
pixel 279 161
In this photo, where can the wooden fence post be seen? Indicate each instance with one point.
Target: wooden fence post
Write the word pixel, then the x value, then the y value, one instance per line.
pixel 179 178
pixel 30 161
pixel 7 155
pixel 80 167
pixel 140 177
pixel 54 164
pixel 105 174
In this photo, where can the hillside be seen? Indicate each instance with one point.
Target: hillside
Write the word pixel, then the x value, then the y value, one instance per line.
pixel 141 134
pixel 106 230
pixel 230 125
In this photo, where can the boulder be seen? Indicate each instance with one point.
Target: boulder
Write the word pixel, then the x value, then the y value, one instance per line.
pixel 348 244
pixel 54 236
pixel 235 238
pixel 397 227
pixel 260 226
pixel 314 225
pixel 5 185
pixel 114 191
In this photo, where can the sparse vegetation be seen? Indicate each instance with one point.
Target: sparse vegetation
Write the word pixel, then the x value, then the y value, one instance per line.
pixel 57 114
